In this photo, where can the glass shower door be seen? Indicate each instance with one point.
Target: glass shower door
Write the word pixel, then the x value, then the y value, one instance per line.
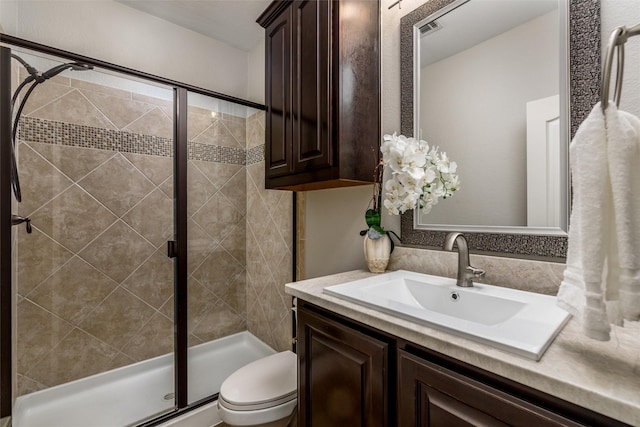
pixel 93 283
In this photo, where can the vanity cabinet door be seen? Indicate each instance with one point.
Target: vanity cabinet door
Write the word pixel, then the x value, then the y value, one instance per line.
pixel 431 395
pixel 342 375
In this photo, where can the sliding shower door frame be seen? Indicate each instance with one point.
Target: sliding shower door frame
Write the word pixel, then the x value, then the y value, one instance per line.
pixel 6 309
pixel 176 249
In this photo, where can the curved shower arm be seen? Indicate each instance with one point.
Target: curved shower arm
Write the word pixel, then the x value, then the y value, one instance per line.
pixel 36 79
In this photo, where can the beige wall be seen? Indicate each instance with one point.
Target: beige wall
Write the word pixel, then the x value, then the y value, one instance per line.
pixel 116 33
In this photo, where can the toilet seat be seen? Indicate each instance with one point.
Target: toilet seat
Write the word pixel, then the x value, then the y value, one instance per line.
pixel 266 385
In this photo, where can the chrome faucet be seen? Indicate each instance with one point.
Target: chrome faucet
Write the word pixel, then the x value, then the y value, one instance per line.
pixel 466 273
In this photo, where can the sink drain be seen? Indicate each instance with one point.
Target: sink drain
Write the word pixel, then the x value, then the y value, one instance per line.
pixel 455 296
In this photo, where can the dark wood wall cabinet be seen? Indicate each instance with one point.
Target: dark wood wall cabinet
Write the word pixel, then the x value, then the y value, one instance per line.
pixel 353 375
pixel 322 93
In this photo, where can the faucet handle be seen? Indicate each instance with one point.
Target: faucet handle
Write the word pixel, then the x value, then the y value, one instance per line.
pixel 475 271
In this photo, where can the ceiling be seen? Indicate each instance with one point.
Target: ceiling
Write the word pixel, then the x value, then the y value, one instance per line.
pixel 229 21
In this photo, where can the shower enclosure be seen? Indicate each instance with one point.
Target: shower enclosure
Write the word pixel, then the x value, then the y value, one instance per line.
pixel 126 252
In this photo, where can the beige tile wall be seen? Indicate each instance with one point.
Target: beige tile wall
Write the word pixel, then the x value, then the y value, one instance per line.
pixel 269 250
pixel 94 283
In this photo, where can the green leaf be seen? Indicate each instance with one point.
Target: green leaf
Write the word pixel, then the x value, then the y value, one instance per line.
pixel 372 217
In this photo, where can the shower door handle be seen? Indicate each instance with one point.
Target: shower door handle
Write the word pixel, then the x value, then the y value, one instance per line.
pixel 172 251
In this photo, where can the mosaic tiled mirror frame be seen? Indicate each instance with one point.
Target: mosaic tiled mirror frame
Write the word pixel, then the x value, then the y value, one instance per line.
pixel 584 86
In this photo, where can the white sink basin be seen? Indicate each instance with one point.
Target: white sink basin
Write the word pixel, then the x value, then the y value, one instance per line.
pixel 521 322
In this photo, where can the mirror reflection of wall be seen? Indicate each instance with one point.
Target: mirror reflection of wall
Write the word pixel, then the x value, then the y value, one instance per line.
pixel 480 67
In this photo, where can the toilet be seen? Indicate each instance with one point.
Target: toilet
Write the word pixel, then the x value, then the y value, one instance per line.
pixel 262 393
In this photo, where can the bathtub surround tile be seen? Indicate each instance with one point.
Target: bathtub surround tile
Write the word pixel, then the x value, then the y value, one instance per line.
pixel 219 134
pixel 200 301
pixel 118 251
pixel 40 181
pixel 255 131
pixel 76 356
pixel 38 257
pixel 236 294
pixel 42 95
pixel 74 162
pixel 219 173
pixel 235 191
pixel 167 187
pixel 218 216
pixel 163 103
pixel 73 108
pixel 88 87
pixel 73 218
pixel 238 129
pixel 152 282
pixel 268 253
pixel 118 318
pixel 198 120
pixel 153 218
pixel 236 243
pixel 73 291
pixel 119 360
pixel 121 112
pixel 127 186
pixel 155 122
pixel 199 189
pixel 156 168
pixel 199 245
pixel 27 385
pixel 36 341
pixel 220 321
pixel 155 339
pixel 218 271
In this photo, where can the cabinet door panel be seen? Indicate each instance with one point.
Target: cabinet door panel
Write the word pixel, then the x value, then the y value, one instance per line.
pixel 311 83
pixel 342 375
pixel 431 395
pixel 278 97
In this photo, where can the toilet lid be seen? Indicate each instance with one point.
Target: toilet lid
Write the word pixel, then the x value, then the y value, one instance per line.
pixel 269 381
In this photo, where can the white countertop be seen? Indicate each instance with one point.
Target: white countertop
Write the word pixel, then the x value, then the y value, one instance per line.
pixel 601 376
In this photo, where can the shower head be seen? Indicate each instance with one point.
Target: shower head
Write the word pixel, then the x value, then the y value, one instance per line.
pixel 75 66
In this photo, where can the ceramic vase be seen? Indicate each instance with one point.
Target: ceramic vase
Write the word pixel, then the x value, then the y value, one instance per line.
pixel 377 252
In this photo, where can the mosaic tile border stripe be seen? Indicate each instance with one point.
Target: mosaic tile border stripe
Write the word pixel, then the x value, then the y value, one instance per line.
pixel 33 129
pixel 255 155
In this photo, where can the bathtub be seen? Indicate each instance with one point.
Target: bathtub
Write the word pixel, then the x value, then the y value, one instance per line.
pixel 128 395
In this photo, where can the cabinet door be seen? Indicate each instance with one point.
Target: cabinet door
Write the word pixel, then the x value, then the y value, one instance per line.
pixel 430 395
pixel 312 138
pixel 278 153
pixel 342 375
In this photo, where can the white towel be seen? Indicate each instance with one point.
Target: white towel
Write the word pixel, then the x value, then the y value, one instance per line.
pixel 603 259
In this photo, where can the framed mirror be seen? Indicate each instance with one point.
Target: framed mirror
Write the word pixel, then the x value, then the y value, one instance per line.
pixel 501 86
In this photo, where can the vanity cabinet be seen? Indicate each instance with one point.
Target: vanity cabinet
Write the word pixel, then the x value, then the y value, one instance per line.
pixel 343 375
pixel 322 92
pixel 353 375
pixel 430 395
